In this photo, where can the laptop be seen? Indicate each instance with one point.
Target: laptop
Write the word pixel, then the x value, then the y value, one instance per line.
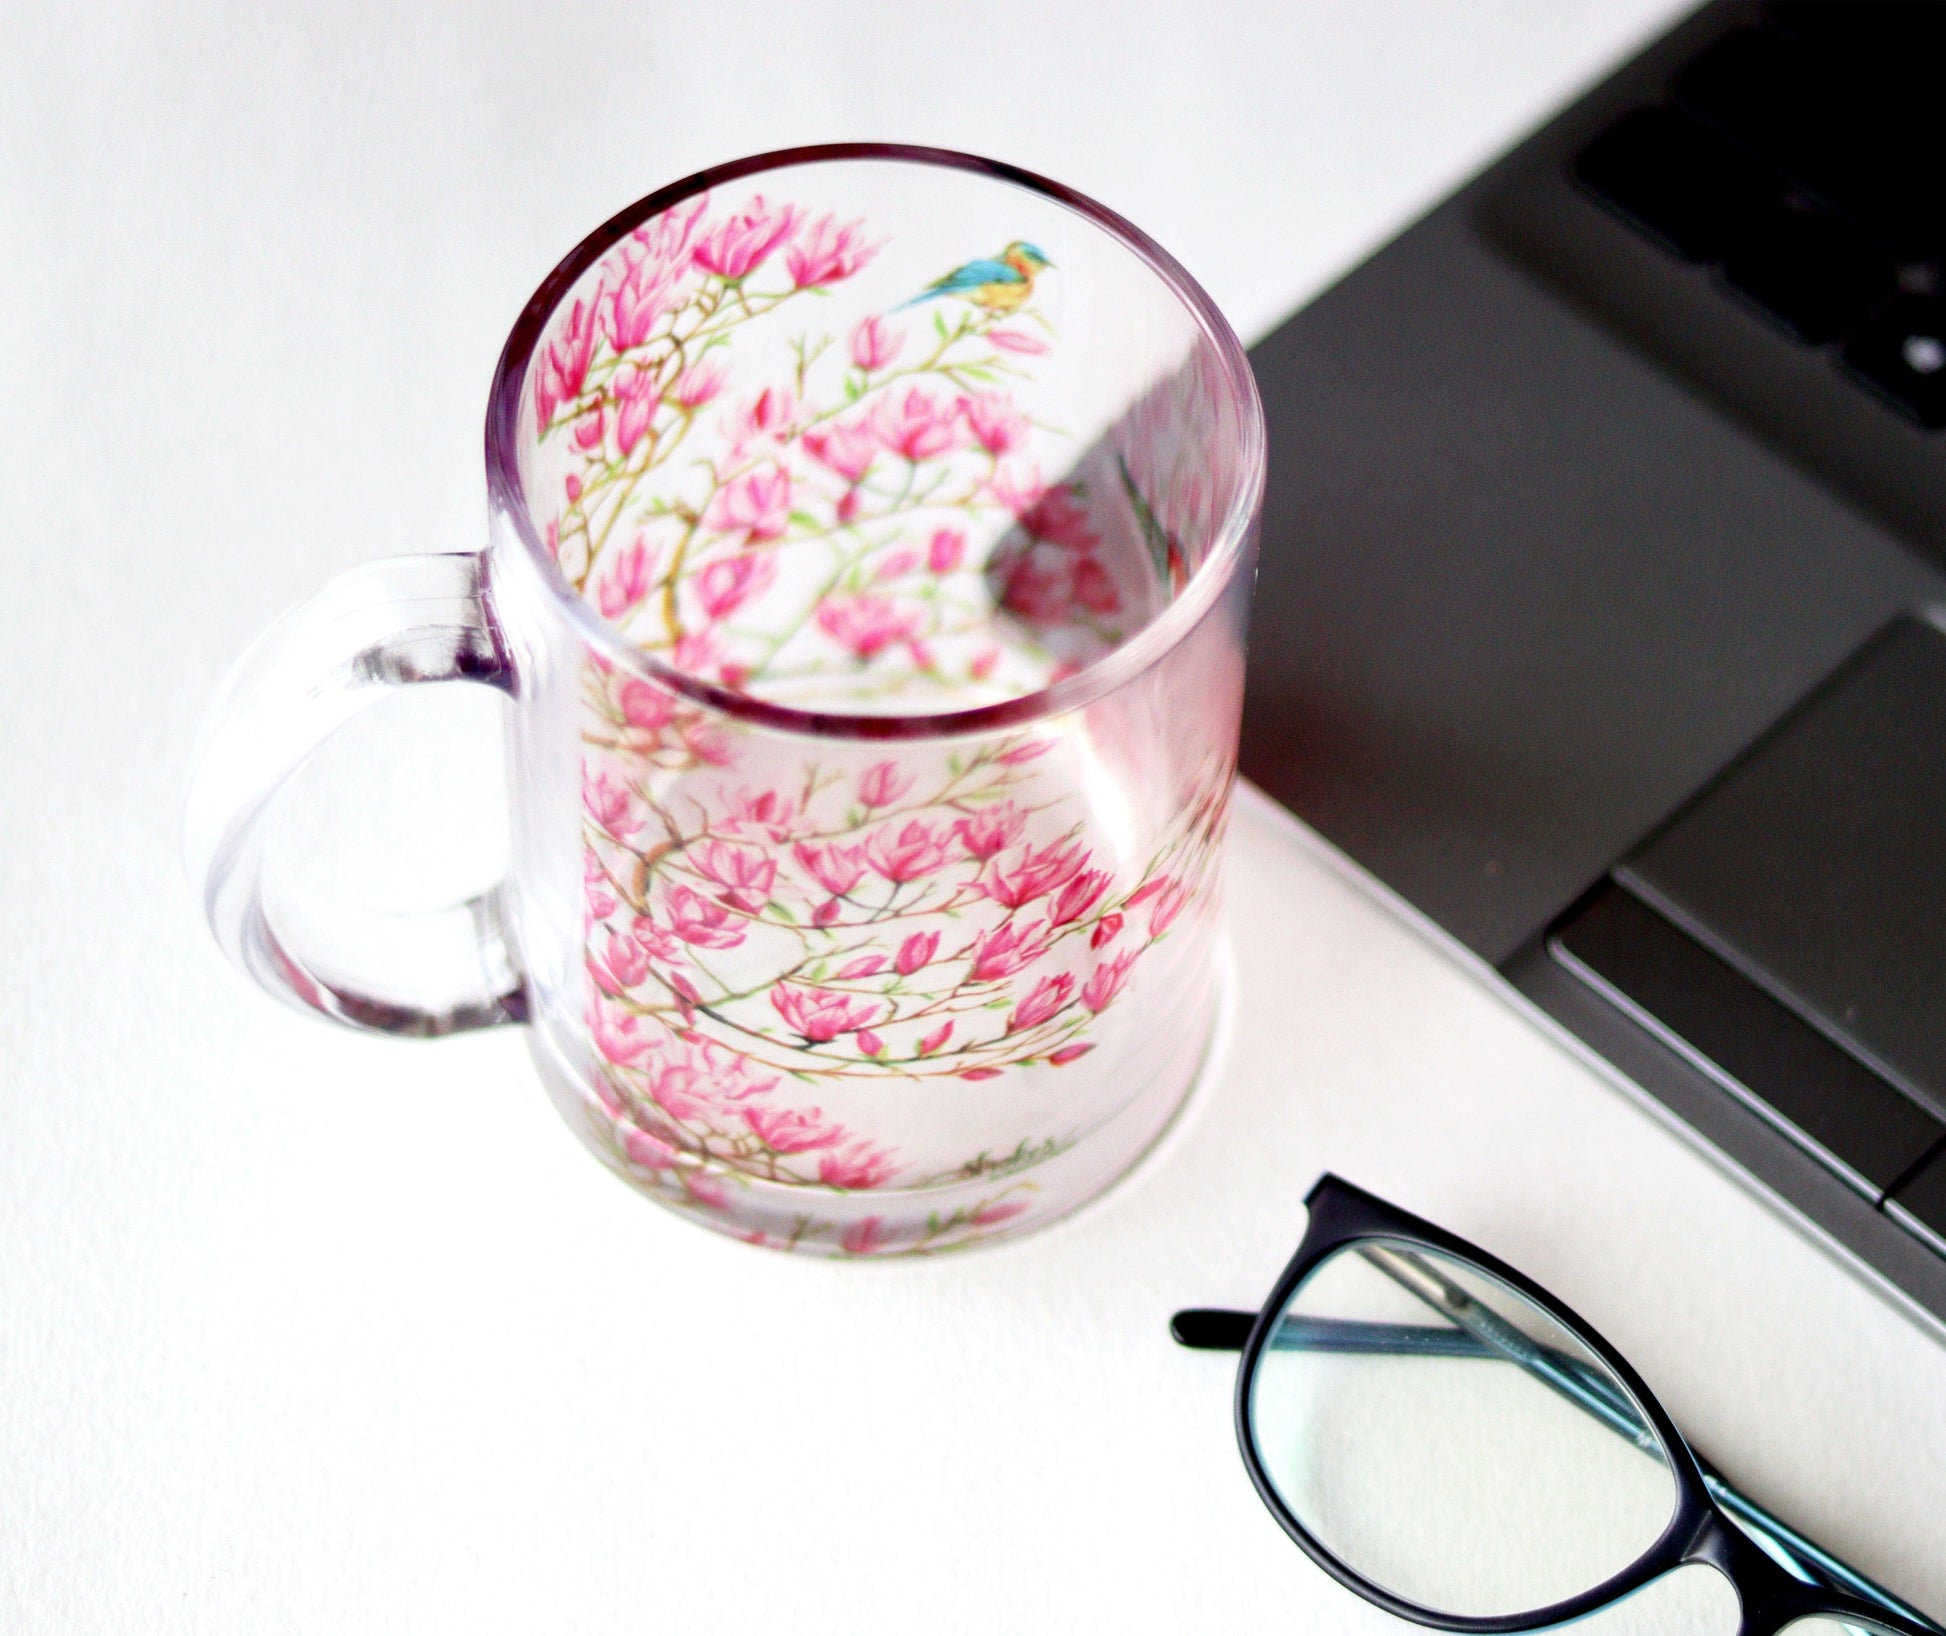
pixel 1602 610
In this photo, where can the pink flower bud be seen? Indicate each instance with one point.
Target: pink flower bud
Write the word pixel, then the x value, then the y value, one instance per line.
pixel 874 344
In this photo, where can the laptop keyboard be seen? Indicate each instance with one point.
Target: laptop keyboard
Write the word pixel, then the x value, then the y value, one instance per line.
pixel 1803 157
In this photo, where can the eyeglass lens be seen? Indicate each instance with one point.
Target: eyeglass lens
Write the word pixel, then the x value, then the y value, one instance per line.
pixel 1448 1441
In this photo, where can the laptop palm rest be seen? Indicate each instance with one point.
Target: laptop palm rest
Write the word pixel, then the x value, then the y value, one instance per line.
pixel 1786 930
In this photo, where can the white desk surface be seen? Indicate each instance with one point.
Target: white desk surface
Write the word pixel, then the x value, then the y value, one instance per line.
pixel 306 1332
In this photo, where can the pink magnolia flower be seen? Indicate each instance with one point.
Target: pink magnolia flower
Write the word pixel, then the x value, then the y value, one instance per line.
pixel 1047 997
pixel 729 582
pixel 848 450
pixel 1106 981
pixel 914 425
pixel 1094 589
pixel 756 505
pixel 916 850
pixel 933 1041
pixel 858 1166
pixel 677 1087
pixel 869 1043
pixel 996 424
pixel 867 625
pixel 875 343
pixel 1170 904
pixel 882 783
pixel 771 414
pixel 945 552
pixel 897 565
pixel 707 1190
pixel 1078 897
pixel 827 913
pixel 828 252
pixel 1145 891
pixel 564 365
pixel 639 298
pixel 699 383
pixel 818 1015
pixel 621 965
pixel 666 238
pixel 637 401
pixel 708 741
pixel 786 1130
pixel 836 868
pixel 1018 341
pixel 695 919
pixel 573 487
pixel 992 831
pixel 1068 1053
pixel 991 1215
pixel 626 580
pixel 1005 950
pixel 650 1152
pixel 1056 518
pixel 611 806
pixel 1036 871
pixel 617 1034
pixel 916 951
pixel 865 1237
pixel 654 941
pixel 696 653
pixel 748 875
pixel 979 1073
pixel 850 503
pixel 1038 591
pixel 589 430
pixel 764 810
pixel 737 245
pixel 1107 931
pixel 645 707
pixel 1016 485
pixel 1024 751
pixel 865 966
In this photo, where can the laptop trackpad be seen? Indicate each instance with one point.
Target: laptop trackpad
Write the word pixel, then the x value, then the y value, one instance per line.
pixel 1816 866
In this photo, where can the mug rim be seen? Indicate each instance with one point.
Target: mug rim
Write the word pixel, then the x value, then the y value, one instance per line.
pixel 507 496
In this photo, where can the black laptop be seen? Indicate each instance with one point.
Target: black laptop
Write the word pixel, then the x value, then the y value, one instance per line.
pixel 1602 613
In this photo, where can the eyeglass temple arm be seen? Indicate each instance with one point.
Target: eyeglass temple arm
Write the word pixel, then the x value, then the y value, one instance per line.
pixel 1218 1330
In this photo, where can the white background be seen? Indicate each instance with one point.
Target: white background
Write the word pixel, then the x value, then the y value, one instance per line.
pixel 306 1332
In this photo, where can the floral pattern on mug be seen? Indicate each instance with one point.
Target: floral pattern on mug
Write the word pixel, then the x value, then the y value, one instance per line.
pixel 936 918
pixel 779 530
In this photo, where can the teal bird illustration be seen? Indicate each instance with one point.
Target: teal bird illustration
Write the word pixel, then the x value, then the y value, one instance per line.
pixel 1000 284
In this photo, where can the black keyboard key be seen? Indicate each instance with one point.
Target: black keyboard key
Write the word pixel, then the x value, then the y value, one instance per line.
pixel 1894 48
pixel 1804 268
pixel 1823 128
pixel 1675 179
pixel 1901 353
pixel 1788 1071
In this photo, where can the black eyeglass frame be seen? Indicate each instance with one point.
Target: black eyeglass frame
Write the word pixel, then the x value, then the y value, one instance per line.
pixel 1699 1531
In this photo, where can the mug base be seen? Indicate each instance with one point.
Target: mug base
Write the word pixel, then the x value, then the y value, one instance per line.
pixel 1001 1204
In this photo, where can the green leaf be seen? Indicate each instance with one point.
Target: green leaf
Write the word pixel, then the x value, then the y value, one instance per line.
pixel 939 323
pixel 803 519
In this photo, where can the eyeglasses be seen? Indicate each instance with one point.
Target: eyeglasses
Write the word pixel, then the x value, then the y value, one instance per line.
pixel 1442 1436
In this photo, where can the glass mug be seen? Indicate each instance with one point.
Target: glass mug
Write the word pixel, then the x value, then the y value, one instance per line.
pixel 872 533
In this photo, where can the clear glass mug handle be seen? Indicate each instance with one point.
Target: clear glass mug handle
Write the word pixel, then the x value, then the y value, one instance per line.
pixel 381 626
